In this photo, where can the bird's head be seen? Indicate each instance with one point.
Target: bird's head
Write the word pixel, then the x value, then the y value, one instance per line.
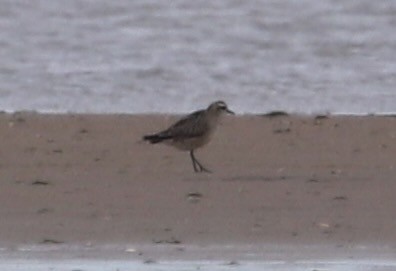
pixel 219 107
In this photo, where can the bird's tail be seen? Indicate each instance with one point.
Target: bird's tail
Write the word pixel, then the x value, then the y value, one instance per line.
pixel 156 138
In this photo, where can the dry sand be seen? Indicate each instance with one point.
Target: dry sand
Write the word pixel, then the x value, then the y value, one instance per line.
pixel 285 180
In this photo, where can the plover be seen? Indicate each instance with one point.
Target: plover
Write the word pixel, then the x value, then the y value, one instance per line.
pixel 193 131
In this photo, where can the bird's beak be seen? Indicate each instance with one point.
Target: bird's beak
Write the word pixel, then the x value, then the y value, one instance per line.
pixel 230 112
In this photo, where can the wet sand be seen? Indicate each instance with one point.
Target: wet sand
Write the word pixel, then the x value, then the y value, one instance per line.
pixel 89 181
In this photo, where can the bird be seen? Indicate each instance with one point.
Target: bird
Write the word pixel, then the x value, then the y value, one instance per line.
pixel 192 131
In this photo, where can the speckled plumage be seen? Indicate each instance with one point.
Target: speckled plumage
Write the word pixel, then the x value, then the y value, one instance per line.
pixel 193 131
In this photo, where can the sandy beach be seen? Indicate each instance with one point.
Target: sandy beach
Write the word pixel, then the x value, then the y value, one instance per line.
pixel 89 180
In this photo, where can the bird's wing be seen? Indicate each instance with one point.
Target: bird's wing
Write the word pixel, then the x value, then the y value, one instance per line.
pixel 193 125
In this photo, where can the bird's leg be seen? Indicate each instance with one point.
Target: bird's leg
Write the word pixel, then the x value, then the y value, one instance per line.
pixel 197 165
pixel 193 160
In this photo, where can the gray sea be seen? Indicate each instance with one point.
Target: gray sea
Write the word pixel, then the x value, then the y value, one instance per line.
pixel 192 258
pixel 142 56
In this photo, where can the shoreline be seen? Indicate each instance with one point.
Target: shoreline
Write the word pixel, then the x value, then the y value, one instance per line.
pixel 271 257
pixel 273 113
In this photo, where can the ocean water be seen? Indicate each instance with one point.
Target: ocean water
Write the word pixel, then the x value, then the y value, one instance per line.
pixel 122 265
pixel 145 56
pixel 214 258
